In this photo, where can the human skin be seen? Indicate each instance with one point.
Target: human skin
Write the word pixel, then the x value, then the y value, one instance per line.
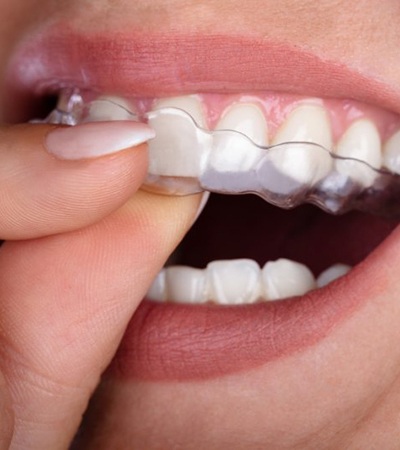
pixel 341 392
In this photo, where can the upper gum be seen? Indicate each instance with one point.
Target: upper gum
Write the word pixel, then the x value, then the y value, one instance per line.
pixel 276 107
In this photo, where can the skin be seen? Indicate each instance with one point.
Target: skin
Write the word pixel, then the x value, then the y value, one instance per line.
pixel 343 393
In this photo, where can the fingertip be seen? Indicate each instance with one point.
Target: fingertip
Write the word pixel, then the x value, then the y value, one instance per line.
pixel 96 139
pixel 41 194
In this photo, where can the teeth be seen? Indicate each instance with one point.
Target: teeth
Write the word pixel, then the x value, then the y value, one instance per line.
pixel 236 154
pixel 284 278
pixel 109 108
pixel 185 158
pixel 391 153
pixel 176 149
pixel 361 141
pixel 332 273
pixel 248 119
pixel 189 103
pixel 292 166
pixel 309 123
pixel 186 284
pixel 157 289
pixel 234 282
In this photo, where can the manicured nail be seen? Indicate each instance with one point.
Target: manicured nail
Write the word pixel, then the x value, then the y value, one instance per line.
pixel 92 140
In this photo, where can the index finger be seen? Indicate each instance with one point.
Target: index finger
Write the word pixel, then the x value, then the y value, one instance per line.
pixel 57 179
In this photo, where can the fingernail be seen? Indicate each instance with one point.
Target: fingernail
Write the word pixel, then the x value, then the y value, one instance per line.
pixel 92 140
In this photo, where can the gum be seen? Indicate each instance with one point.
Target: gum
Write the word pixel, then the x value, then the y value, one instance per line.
pixel 329 188
pixel 277 106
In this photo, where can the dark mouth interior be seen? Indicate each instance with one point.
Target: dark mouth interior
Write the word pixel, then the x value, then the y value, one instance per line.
pixel 248 227
pixel 25 107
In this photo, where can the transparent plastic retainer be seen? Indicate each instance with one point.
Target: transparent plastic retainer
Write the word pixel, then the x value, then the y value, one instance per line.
pixel 195 159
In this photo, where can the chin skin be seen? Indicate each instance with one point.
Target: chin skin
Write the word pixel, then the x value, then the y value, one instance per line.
pixel 343 392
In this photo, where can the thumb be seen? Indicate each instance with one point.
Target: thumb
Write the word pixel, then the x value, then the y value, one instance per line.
pixel 65 302
pixel 58 179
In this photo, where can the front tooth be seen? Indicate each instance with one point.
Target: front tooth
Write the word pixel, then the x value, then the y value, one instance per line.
pixel 157 291
pixel 107 108
pixel 292 166
pixel 186 285
pixel 285 278
pixel 391 153
pixel 309 123
pixel 332 273
pixel 188 103
pixel 177 150
pixel 233 152
pixel 233 282
pixel 360 141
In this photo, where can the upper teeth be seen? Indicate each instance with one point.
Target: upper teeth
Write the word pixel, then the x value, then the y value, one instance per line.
pixel 179 150
pixel 175 150
pixel 308 122
pixel 391 153
pixel 235 154
pixel 109 108
pixel 302 163
pixel 361 141
pixel 238 281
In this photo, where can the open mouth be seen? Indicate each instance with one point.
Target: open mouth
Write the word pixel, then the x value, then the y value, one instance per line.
pixel 246 263
pixel 252 282
pixel 297 251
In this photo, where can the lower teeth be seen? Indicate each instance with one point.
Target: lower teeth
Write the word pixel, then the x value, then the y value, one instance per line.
pixel 222 258
pixel 239 281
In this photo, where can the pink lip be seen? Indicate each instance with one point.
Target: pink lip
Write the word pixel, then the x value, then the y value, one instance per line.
pixel 136 64
pixel 172 342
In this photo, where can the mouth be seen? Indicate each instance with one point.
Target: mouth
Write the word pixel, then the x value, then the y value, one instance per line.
pixel 251 282
pixel 250 279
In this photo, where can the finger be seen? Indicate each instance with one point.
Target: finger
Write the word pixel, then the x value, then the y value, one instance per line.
pixel 6 415
pixel 57 179
pixel 66 301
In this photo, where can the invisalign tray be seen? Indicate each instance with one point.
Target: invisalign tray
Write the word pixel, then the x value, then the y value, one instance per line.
pixel 228 162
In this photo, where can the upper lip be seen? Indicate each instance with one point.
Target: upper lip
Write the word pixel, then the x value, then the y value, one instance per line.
pixel 137 64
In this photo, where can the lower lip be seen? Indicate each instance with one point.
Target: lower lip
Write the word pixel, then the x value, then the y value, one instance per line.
pixel 170 342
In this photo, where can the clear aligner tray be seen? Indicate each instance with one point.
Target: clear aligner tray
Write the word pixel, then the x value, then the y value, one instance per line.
pixel 185 158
